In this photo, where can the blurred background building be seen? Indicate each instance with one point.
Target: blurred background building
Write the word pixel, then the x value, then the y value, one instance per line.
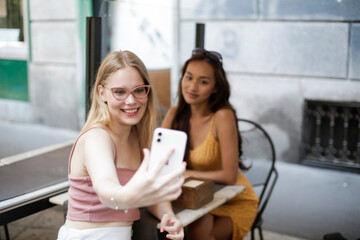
pixel 282 57
pixel 293 65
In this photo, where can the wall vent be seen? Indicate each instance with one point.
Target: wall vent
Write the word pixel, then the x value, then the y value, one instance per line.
pixel 331 135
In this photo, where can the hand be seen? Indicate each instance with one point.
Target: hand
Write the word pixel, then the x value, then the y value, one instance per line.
pixel 188 173
pixel 149 187
pixel 173 226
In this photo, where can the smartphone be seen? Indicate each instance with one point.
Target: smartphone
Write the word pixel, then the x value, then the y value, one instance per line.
pixel 163 141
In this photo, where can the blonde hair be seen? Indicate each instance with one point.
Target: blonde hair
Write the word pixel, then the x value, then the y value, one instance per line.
pixel 99 112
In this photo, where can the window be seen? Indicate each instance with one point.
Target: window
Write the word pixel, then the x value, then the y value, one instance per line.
pixel 11 21
pixel 331 134
pixel 13 51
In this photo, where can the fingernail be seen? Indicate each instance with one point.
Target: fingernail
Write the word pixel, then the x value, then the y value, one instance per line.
pixel 161 229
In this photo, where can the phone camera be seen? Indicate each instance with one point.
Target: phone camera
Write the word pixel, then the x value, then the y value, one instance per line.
pixel 159 133
pixel 158 140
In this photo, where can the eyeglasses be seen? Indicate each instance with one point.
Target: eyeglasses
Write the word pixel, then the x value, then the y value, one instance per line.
pixel 122 94
pixel 211 54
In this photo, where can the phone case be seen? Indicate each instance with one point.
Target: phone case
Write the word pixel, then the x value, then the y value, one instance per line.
pixel 163 141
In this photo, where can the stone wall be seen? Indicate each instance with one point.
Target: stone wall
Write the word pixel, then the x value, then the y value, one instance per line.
pixel 278 53
pixel 54 79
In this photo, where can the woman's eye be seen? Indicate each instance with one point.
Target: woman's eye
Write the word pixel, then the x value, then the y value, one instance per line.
pixel 119 91
pixel 188 77
pixel 139 90
pixel 204 82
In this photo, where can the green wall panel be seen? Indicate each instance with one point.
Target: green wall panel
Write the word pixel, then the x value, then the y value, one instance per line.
pixel 13 80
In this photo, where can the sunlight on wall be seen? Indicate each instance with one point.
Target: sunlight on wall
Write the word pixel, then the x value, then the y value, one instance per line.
pixel 146 28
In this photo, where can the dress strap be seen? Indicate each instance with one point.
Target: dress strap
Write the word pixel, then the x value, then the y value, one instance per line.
pixel 212 122
pixel 73 147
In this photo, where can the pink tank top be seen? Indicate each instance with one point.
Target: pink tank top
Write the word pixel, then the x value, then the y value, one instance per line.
pixel 85 205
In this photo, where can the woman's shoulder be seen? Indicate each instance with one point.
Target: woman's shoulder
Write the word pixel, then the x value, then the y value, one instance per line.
pixel 172 111
pixel 224 114
pixel 92 139
pixel 224 123
pixel 170 115
pixel 96 132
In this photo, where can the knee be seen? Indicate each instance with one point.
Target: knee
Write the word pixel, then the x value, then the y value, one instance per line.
pixel 201 228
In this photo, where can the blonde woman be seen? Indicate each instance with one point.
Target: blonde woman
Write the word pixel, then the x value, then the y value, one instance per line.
pixel 109 174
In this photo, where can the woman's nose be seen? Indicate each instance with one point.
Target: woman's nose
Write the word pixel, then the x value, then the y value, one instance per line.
pixel 130 99
pixel 194 86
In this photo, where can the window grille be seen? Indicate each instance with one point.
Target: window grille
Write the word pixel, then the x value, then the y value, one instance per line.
pixel 331 135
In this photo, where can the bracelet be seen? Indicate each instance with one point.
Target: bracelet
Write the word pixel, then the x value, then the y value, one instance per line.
pixel 114 200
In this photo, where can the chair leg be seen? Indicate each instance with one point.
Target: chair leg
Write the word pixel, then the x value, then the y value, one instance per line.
pixel 260 233
pixel 7 236
pixel 252 234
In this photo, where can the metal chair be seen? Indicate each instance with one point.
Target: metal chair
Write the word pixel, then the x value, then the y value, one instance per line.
pixel 258 152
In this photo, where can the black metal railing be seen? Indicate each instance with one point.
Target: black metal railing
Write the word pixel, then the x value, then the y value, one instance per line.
pixel 331 135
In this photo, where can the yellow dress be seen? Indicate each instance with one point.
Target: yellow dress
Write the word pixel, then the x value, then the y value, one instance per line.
pixel 241 209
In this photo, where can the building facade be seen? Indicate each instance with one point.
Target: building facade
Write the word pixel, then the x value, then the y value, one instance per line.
pixel 278 54
pixel 42 76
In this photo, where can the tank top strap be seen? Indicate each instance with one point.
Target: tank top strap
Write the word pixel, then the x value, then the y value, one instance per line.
pixel 73 147
pixel 211 123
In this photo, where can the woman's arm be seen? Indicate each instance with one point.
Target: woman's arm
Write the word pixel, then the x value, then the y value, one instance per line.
pixel 98 159
pixel 144 188
pixel 226 133
pixel 169 222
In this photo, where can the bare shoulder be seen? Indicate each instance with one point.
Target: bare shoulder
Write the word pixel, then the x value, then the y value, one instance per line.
pixel 97 135
pixel 225 124
pixel 224 115
pixel 170 115
pixel 224 121
pixel 97 130
pixel 171 112
pixel 94 142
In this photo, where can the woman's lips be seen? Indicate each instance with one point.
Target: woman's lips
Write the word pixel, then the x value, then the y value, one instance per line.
pixel 131 112
pixel 191 95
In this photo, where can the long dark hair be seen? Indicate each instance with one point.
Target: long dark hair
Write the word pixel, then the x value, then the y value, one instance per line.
pixel 217 101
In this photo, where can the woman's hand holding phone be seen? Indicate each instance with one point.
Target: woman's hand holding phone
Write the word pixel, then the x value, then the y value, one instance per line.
pixel 150 187
pixel 160 176
pixel 165 140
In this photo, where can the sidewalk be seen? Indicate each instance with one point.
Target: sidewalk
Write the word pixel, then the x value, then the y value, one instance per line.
pixel 310 202
pixel 45 225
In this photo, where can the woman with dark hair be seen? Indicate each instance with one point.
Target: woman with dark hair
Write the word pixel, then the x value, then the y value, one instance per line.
pixel 213 150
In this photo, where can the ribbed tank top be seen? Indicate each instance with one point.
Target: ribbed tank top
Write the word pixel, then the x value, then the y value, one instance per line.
pixel 84 204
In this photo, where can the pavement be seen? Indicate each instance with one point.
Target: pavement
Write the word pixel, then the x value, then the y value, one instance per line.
pixel 45 226
pixel 306 204
pixel 310 202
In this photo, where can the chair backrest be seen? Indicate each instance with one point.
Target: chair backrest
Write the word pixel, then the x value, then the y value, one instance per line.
pixel 258 151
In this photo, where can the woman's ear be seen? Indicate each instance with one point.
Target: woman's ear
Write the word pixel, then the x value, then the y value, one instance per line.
pixel 101 93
